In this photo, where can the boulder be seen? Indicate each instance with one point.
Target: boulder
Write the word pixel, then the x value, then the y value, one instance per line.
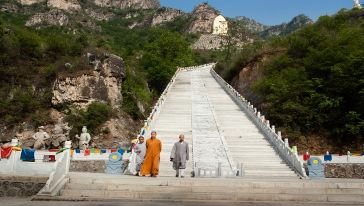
pixel 103 84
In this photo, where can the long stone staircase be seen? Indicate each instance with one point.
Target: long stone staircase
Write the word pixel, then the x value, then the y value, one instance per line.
pixel 197 105
pixel 222 128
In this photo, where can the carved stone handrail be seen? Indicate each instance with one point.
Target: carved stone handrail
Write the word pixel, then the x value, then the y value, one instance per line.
pixel 284 151
pixel 58 176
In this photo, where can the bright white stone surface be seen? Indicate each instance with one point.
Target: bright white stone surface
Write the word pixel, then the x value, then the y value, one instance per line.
pixel 15 166
pixel 222 132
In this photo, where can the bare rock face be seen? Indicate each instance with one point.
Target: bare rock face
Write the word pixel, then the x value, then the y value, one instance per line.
pixel 203 17
pixel 103 84
pixel 8 7
pixel 209 41
pixel 30 2
pixel 67 5
pixel 99 15
pixel 116 132
pixel 295 24
pixel 124 4
pixel 165 15
pixel 251 73
pixel 53 17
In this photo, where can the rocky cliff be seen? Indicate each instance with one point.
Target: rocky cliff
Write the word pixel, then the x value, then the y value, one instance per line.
pixel 164 15
pixel 124 4
pixel 249 24
pixel 30 2
pixel 103 84
pixel 287 28
pixel 251 73
pixel 202 19
pixel 209 42
pixel 53 17
pixel 69 5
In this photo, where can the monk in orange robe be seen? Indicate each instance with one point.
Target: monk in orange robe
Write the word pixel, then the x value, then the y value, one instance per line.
pixel 152 158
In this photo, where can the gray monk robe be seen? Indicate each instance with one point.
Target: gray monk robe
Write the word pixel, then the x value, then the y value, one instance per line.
pixel 180 154
pixel 140 150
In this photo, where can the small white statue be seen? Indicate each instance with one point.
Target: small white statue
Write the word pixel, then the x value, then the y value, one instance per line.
pixel 40 137
pixel 84 139
pixel 357 4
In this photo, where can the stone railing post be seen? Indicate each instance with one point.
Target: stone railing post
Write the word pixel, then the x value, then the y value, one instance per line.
pixel 286 142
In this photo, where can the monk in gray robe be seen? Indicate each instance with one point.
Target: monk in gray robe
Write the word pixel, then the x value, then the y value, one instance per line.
pixel 179 156
pixel 140 150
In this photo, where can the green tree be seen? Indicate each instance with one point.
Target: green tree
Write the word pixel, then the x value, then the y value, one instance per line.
pixel 163 54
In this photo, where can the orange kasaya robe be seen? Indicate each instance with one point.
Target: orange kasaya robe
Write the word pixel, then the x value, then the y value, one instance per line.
pixel 152 158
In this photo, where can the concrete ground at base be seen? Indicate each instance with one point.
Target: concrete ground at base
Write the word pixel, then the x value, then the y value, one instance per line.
pixel 28 202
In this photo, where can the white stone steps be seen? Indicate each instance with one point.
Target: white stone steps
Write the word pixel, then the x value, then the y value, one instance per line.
pixel 265 150
pixel 267 168
pixel 100 178
pixel 209 196
pixel 204 189
pixel 270 172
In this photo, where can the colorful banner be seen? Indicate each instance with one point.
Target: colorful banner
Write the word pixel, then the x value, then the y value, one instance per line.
pixel 27 155
pixel 6 152
pixel 87 152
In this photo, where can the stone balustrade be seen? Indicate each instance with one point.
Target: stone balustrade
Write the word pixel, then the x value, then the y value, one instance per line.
pixel 15 166
pixel 58 176
pixel 275 138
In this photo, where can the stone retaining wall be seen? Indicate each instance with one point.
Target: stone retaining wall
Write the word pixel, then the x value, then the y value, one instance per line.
pixel 20 186
pixel 347 170
pixel 93 166
pixel 342 170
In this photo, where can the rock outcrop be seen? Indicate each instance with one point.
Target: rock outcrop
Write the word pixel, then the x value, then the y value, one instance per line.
pixel 100 16
pixel 67 5
pixel 53 17
pixel 103 84
pixel 30 2
pixel 209 41
pixel 203 17
pixel 124 4
pixel 287 28
pixel 251 73
pixel 165 15
pixel 8 7
pixel 249 24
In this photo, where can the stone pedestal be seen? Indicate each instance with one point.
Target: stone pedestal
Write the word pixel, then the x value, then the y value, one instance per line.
pixel 114 165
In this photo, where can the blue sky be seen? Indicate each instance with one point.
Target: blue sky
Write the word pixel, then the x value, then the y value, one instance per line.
pixel 269 12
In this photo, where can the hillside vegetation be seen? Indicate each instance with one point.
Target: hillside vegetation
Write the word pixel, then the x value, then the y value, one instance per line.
pixel 314 85
pixel 31 59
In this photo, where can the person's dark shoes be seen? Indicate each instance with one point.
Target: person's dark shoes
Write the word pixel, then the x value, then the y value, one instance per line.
pixel 182 176
pixel 137 174
pixel 176 175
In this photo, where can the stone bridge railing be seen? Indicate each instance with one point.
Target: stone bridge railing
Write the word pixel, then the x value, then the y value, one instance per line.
pixel 284 151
